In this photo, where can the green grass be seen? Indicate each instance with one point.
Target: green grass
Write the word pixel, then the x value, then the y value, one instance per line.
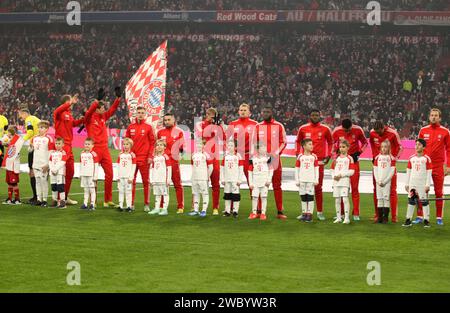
pixel 122 252
pixel 287 162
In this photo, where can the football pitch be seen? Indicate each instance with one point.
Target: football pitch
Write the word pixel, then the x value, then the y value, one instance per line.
pixel 135 252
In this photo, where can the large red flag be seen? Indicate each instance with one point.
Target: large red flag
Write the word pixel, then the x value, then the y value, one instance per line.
pixel 147 87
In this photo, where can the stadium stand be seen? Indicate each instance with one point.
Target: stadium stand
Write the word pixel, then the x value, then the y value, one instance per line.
pixel 364 75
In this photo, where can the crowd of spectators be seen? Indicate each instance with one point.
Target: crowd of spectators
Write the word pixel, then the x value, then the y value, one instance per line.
pixel 176 5
pixel 362 77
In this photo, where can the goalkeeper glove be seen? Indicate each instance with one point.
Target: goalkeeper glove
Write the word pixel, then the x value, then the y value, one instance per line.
pixel 100 94
pixel 118 92
pixel 355 156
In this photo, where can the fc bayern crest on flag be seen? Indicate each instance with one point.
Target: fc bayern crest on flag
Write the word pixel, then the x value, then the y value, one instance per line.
pixel 153 96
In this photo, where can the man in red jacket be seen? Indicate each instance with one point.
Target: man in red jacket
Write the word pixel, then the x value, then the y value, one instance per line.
pixel 95 120
pixel 378 134
pixel 272 134
pixel 143 138
pixel 320 135
pixel 212 134
pixel 241 131
pixel 174 138
pixel 438 149
pixel 64 123
pixel 358 142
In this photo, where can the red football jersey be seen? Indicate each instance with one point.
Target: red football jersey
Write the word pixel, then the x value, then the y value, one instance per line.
pixel 389 134
pixel 320 135
pixel 438 143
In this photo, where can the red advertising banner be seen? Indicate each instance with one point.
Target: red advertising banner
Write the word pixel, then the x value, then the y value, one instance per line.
pixel 246 16
pixel 422 18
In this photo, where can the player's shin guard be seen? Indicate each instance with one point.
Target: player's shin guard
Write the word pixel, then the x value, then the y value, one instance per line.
pixel 166 201
pixel 337 204
pixel 44 189
pixel 236 206
pixel 304 207
pixel 304 204
pixel 16 191
pixel 346 202
pixel 228 206
pixel 205 198
pixel 121 194
pixel 86 196
pixel 310 204
pixel 38 189
pixel 128 196
pixel 10 192
pixel 93 195
pixel 426 212
pixel 62 194
pixel 263 205
pixel 410 211
pixel 196 201
pixel 158 201
pixel 255 201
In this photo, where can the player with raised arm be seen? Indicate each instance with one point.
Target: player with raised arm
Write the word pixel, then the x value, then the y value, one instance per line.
pixel 342 169
pixel 88 174
pixel 95 120
pixel 42 144
pixel 231 175
pixel 126 162
pixel 418 180
pixel 306 178
pixel 160 176
pixel 64 124
pixel 202 168
pixel 383 171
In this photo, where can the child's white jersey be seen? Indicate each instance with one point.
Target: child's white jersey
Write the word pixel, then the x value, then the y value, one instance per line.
pixel 419 171
pixel 200 162
pixel 126 165
pixel 159 172
pixel 307 168
pixel 232 165
pixel 88 164
pixel 383 166
pixel 42 145
pixel 57 162
pixel 260 169
pixel 342 165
